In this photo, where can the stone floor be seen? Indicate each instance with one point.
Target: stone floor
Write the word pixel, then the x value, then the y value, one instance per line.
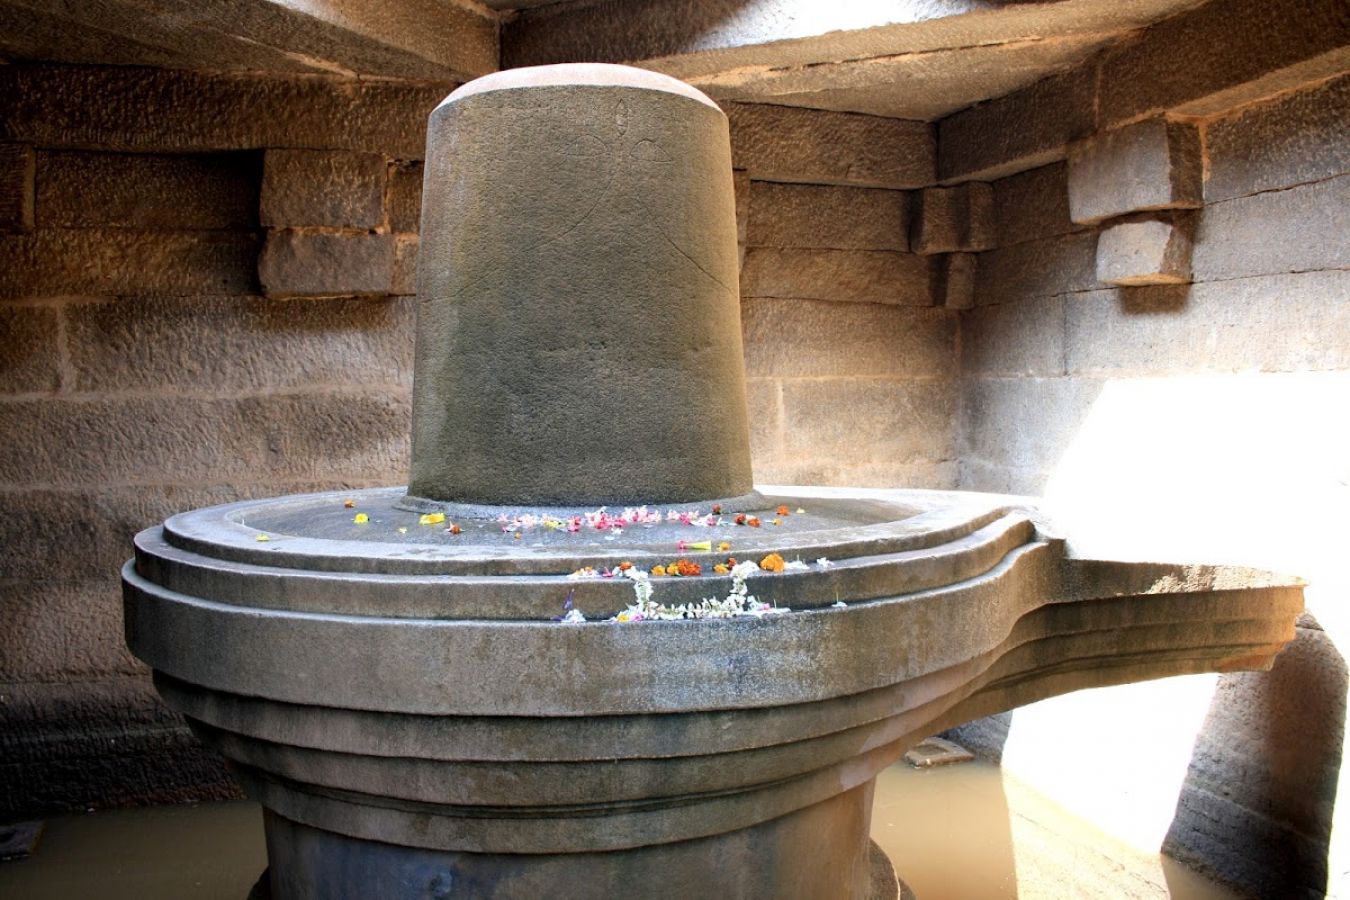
pixel 958 832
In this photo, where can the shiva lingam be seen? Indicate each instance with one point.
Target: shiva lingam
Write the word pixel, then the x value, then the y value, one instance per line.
pixel 581 655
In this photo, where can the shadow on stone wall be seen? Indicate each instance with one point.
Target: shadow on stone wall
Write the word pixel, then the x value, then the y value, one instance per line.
pixel 1267 831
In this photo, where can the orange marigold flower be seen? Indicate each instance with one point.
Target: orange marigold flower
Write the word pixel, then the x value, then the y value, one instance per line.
pixel 724 546
pixel 740 519
pixel 658 571
pixel 782 510
pixel 349 503
pixel 717 509
pixel 685 567
pixel 721 569
pixel 455 529
pixel 625 566
pixel 753 521
pixel 772 563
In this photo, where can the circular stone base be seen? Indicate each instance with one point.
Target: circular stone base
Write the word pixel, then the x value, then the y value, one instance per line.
pixel 883 882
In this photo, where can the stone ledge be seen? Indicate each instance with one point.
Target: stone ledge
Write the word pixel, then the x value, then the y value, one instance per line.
pixel 1146 251
pixel 1151 165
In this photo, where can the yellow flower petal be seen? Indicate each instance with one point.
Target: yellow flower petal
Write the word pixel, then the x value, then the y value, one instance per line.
pixel 435 518
pixel 262 537
pixel 360 518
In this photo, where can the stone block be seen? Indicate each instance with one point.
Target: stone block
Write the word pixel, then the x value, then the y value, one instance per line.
pixel 404 200
pixel 764 401
pixel 1277 323
pixel 31 360
pixel 1015 339
pixel 1154 164
pixel 1300 229
pixel 63 630
pixel 105 742
pixel 277 437
pixel 182 191
pixel 1294 139
pixel 957 280
pixel 124 261
pixel 1032 205
pixel 807 338
pixel 782 143
pixel 1222 55
pixel 16 187
pixel 941 475
pixel 1146 251
pixel 123 108
pixel 824 217
pixel 1040 268
pixel 405 265
pixel 954 219
pixel 311 264
pixel 239 343
pixel 852 421
pixel 1022 130
pixel 740 184
pixel 1023 423
pixel 996 478
pixel 322 188
pixel 865 276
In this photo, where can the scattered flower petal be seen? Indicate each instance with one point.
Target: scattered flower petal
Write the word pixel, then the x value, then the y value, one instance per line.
pixel 360 518
pixel 839 604
pixel 348 503
pixel 823 563
pixel 573 617
pixel 262 537
pixel 435 518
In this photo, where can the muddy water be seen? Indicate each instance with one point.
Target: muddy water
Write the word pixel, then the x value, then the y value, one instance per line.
pixel 961 832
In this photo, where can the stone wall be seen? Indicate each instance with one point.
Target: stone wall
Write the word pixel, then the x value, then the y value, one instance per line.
pixel 1160 344
pixel 203 291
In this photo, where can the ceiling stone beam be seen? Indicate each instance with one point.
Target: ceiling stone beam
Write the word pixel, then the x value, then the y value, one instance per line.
pixel 910 59
pixel 432 40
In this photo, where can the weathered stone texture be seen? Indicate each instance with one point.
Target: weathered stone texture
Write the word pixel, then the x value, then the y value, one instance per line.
pixel 16 187
pixel 186 191
pixel 957 275
pixel 60 630
pixel 70 747
pixel 1041 268
pixel 853 422
pixel 1024 423
pixel 1150 165
pixel 938 475
pixel 324 188
pixel 149 110
pixel 404 199
pixel 331 435
pixel 1000 478
pixel 954 219
pixel 780 143
pixel 310 264
pixel 1282 323
pixel 1150 251
pixel 1033 204
pixel 1024 129
pixel 1297 138
pixel 239 343
pixel 404 283
pixel 1268 831
pixel 30 359
pixel 764 400
pixel 108 261
pixel 866 276
pixel 824 217
pixel 1221 55
pixel 1300 229
pixel 1015 339
pixel 816 338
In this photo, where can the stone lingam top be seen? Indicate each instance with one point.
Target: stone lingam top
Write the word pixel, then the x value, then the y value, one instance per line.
pixel 579 338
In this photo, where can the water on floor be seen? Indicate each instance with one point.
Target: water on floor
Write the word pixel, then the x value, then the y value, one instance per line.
pixel 962 832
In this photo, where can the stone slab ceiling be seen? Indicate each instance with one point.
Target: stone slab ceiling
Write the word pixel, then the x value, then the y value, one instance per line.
pixel 917 59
